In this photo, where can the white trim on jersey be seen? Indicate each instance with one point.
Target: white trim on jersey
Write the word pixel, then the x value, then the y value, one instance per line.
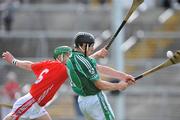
pixel 87 64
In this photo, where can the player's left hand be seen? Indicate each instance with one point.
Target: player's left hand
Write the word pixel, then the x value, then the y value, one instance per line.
pixel 8 57
pixel 130 79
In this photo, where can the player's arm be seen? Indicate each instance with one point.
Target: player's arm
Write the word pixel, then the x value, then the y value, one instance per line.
pixel 105 85
pixel 115 74
pixel 9 58
pixel 100 54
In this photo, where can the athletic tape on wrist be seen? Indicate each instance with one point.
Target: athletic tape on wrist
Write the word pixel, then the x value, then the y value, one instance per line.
pixel 14 61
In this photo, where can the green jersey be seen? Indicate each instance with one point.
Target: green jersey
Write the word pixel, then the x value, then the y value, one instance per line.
pixel 82 73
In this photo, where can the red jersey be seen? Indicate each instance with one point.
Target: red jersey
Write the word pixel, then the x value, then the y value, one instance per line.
pixel 50 76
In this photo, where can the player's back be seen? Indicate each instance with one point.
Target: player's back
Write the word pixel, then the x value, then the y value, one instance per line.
pixel 82 73
pixel 50 76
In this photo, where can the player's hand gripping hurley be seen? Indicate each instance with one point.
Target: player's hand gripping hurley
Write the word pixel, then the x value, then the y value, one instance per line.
pixel 134 6
pixel 175 59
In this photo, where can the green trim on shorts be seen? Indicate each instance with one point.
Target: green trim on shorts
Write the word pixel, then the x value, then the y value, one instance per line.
pixel 107 112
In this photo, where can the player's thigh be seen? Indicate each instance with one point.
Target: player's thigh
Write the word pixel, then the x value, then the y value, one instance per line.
pixel 105 107
pixel 96 107
pixel 95 111
pixel 37 112
pixel 91 108
pixel 44 117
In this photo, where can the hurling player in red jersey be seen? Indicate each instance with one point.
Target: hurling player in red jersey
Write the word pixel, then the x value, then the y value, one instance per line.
pixel 50 74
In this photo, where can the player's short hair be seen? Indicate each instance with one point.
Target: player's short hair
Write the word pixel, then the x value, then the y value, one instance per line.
pixel 83 37
pixel 61 50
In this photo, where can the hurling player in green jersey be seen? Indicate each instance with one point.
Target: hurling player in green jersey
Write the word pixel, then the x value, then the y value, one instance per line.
pixel 86 82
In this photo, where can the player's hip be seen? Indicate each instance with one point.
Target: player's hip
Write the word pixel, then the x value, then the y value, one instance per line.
pixel 27 107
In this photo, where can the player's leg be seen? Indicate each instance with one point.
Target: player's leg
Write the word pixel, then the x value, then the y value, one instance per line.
pixel 83 107
pixel 33 111
pixel 38 113
pixel 18 107
pixel 8 117
pixel 104 107
pixel 96 107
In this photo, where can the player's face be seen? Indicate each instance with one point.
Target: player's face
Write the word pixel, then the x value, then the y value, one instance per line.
pixel 90 49
pixel 63 58
pixel 66 57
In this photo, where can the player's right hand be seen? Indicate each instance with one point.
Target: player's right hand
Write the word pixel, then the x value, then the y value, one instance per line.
pixel 130 79
pixel 8 57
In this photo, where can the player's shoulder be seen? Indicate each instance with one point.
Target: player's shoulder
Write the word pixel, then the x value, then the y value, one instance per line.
pixel 55 64
pixel 80 58
pixel 50 62
pixel 47 61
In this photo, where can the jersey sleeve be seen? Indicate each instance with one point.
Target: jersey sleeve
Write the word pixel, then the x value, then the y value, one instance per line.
pixel 87 67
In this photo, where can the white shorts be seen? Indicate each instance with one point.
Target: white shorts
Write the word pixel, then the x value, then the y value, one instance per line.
pixel 35 111
pixel 96 107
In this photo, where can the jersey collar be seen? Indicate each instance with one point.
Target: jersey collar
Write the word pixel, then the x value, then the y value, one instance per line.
pixel 79 53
